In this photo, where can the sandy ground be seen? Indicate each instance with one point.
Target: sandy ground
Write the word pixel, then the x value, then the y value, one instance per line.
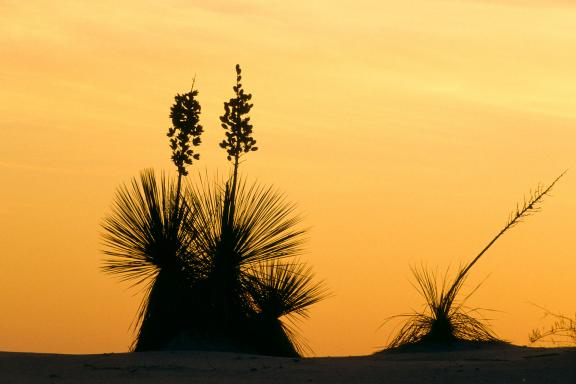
pixel 484 365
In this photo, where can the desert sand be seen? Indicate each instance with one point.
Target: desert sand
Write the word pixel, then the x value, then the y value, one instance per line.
pixel 487 364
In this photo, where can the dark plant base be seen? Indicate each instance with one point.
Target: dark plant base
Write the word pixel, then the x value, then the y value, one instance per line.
pixel 445 346
pixel 259 338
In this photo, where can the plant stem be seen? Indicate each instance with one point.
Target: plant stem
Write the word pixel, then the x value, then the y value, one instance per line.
pixel 527 208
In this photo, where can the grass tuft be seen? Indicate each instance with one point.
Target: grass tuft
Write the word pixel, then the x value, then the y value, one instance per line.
pixel 562 331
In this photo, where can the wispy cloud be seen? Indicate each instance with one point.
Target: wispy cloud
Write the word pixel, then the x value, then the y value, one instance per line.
pixel 526 3
pixel 37 168
pixel 237 7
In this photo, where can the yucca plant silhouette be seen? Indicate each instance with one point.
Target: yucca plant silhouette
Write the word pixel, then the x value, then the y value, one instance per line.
pixel 149 234
pixel 282 292
pixel 249 263
pixel 242 231
pixel 218 259
pixel 147 241
pixel 445 319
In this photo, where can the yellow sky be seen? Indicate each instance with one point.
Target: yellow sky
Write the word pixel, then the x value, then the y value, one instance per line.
pixel 405 131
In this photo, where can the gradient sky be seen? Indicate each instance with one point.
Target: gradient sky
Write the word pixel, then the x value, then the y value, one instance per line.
pixel 406 131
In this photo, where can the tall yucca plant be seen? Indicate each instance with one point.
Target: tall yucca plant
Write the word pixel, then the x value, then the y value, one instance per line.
pixel 149 232
pixel 240 232
pixel 147 240
pixel 445 319
pixel 248 262
pixel 218 260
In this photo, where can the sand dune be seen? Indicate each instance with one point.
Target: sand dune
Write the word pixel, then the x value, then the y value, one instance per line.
pixel 508 364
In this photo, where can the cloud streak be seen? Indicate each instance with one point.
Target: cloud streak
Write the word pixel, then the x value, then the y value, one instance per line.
pixel 526 3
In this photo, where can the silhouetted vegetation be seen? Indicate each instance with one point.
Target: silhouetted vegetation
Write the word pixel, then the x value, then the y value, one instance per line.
pixel 185 132
pixel 248 259
pixel 149 237
pixel 445 319
pixel 218 259
pixel 562 331
pixel 148 242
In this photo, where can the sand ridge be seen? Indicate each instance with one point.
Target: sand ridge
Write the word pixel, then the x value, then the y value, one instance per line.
pixel 483 365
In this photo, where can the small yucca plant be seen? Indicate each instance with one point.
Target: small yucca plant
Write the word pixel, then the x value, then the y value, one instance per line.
pixel 445 318
pixel 282 292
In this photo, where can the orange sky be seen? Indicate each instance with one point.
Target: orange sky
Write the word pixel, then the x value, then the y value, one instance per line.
pixel 405 131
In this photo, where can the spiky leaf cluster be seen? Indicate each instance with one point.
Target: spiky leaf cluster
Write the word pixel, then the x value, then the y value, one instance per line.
pixel 236 122
pixel 216 279
pixel 249 261
pixel 147 239
pixel 185 131
pixel 443 318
